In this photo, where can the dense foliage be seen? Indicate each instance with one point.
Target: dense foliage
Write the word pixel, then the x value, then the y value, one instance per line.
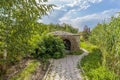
pixel 21 34
pixel 62 27
pixel 107 37
pixel 92 65
pixel 86 32
pixel 26 74
pixel 20 31
pixel 17 25
pixel 56 27
pixel 49 46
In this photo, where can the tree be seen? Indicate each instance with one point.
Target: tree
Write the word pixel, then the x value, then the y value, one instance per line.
pixel 63 27
pixel 18 24
pixel 86 32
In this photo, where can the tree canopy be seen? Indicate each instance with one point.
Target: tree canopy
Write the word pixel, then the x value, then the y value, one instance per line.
pixel 17 26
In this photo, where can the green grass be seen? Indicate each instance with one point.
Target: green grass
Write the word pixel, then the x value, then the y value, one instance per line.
pixel 87 45
pixel 92 61
pixel 92 64
pixel 76 52
pixel 27 72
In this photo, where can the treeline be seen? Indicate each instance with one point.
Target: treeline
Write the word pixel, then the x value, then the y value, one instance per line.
pixel 107 37
pixel 55 27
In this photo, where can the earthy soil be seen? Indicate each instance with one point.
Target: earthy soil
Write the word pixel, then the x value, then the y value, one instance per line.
pixel 40 72
pixel 17 68
pixel 14 69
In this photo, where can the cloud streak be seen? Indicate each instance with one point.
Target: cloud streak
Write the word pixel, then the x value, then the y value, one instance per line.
pixel 91 19
pixel 70 11
pixel 66 8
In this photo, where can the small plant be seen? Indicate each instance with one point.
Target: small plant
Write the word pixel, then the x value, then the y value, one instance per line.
pixel 58 55
pixel 79 52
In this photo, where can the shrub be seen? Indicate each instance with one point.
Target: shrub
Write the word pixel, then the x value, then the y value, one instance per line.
pixel 49 46
pixel 57 55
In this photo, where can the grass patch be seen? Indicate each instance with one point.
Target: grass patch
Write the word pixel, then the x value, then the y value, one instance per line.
pixel 92 64
pixel 92 61
pixel 27 72
pixel 87 45
pixel 76 52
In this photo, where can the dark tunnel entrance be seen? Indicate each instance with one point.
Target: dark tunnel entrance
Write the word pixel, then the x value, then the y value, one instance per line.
pixel 67 44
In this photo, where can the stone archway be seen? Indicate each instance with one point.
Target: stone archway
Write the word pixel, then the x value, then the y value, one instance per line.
pixel 67 44
pixel 71 41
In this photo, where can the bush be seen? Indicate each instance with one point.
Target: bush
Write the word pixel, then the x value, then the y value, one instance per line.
pixel 49 46
pixel 57 55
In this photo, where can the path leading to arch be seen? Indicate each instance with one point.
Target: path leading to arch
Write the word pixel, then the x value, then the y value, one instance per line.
pixel 66 68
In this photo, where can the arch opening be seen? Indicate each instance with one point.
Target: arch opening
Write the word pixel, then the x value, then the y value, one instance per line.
pixel 67 44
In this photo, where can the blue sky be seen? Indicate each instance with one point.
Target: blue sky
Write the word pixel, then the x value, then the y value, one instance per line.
pixel 79 13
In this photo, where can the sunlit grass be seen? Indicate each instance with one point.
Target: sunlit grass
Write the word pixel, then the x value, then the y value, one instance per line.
pixel 27 72
pixel 79 52
pixel 92 64
pixel 87 45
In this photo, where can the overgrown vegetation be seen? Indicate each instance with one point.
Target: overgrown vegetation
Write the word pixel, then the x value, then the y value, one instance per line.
pixel 79 52
pixel 20 31
pixel 49 46
pixel 103 62
pixel 62 27
pixel 87 45
pixel 86 32
pixel 17 25
pixel 26 73
pixel 108 41
pixel 92 66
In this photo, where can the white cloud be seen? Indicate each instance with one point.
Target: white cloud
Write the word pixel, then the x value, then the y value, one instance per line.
pixel 79 4
pixel 91 19
pixel 95 1
pixel 68 7
pixel 68 11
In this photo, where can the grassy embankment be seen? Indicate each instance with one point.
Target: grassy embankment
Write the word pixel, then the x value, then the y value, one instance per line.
pixel 26 73
pixel 92 64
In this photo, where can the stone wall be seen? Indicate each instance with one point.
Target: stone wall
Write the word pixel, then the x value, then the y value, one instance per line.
pixel 74 41
pixel 73 38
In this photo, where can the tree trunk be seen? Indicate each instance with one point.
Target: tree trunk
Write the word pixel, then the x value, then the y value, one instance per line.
pixel 5 61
